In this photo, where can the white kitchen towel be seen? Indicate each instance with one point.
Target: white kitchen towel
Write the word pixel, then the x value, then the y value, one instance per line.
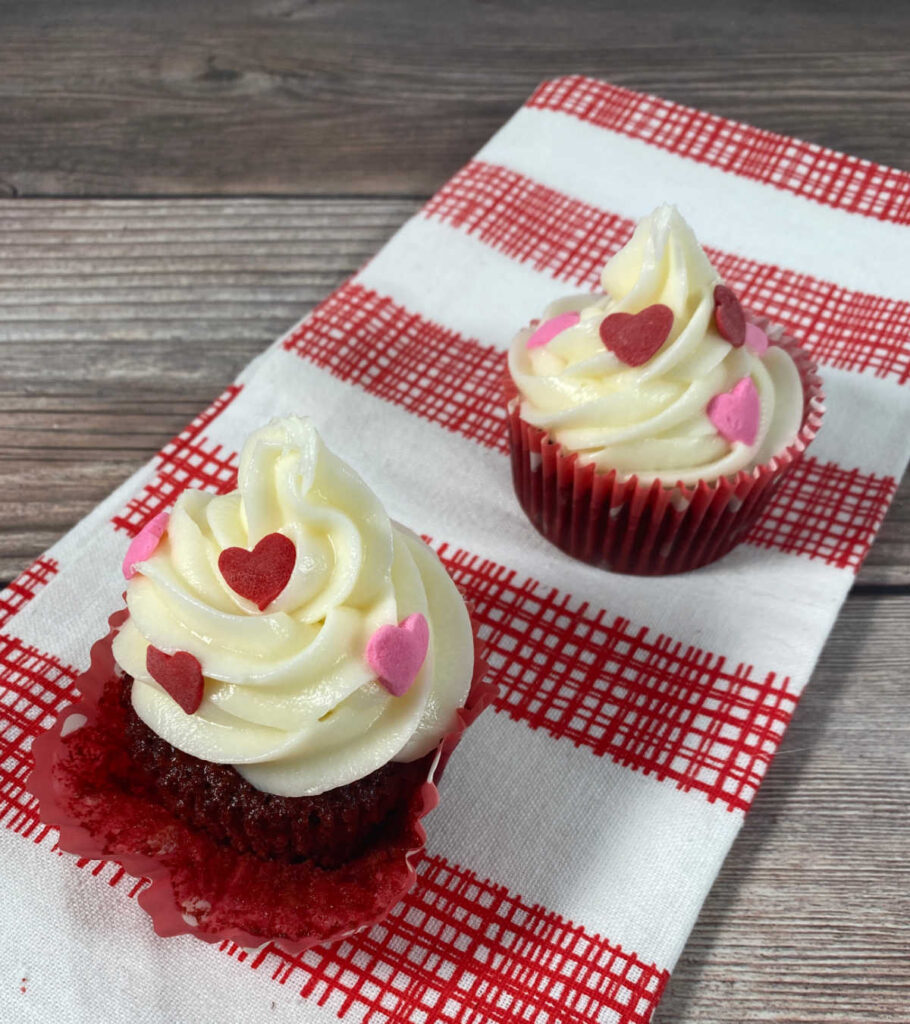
pixel 583 819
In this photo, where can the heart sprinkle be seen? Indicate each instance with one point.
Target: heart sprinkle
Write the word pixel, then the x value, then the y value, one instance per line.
pixel 144 543
pixel 736 414
pixel 756 339
pixel 548 330
pixel 729 316
pixel 635 337
pixel 261 574
pixel 180 675
pixel 395 653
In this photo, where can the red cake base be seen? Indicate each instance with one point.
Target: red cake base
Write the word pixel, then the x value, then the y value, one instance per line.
pixel 89 787
pixel 329 829
pixel 619 524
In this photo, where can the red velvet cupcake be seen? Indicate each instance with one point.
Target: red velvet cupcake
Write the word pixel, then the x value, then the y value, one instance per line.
pixel 650 426
pixel 262 729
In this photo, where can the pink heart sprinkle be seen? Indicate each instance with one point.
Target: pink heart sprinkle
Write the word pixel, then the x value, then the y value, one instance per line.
pixel 736 414
pixel 395 653
pixel 144 543
pixel 756 339
pixel 550 328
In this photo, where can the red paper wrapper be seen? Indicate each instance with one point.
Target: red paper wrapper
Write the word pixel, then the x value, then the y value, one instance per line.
pixel 201 887
pixel 648 529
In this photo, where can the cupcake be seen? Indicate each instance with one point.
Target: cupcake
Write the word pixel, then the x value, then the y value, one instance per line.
pixel 648 427
pixel 262 729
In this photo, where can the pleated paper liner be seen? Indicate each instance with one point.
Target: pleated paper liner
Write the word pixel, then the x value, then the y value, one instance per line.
pixel 652 529
pixel 199 886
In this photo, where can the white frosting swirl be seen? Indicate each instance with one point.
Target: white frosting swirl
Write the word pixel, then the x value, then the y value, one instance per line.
pixel 289 698
pixel 650 421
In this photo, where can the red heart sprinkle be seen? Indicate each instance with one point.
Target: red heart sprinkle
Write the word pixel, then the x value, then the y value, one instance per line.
pixel 635 337
pixel 261 574
pixel 179 674
pixel 729 316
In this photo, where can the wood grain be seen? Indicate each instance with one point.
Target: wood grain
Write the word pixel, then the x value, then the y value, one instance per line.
pixel 809 920
pixel 119 320
pixel 321 96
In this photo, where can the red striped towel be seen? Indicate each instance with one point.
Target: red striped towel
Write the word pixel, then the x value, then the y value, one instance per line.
pixel 583 822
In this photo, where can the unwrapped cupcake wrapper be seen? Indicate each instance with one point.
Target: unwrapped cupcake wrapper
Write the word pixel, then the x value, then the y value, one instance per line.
pixel 204 888
pixel 649 529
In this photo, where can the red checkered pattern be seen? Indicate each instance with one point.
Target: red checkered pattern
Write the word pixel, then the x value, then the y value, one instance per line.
pixel 823 511
pixel 189 460
pixel 368 340
pixel 25 586
pixel 530 223
pixel 645 701
pixel 571 240
pixel 34 688
pixel 113 874
pixel 803 168
pixel 458 948
pixel 462 950
pixel 464 395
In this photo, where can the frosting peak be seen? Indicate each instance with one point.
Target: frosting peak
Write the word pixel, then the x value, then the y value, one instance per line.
pixel 628 386
pixel 661 263
pixel 289 698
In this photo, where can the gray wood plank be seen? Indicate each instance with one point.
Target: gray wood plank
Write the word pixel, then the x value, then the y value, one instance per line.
pixel 286 96
pixel 809 920
pixel 119 320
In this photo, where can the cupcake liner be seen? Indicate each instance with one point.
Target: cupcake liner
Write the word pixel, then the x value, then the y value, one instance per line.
pixel 657 528
pixel 198 886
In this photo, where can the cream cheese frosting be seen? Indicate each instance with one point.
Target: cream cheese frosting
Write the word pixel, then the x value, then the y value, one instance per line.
pixel 651 421
pixel 289 697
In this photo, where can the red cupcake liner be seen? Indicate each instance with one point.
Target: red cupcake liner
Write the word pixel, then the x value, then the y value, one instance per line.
pixel 651 529
pixel 198 886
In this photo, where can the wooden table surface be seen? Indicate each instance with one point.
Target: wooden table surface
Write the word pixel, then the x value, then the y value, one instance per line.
pixel 182 181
